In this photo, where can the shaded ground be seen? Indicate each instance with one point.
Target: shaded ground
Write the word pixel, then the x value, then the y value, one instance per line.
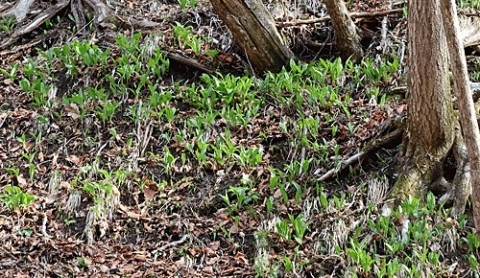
pixel 206 175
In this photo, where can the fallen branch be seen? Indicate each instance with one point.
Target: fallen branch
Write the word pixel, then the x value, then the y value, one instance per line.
pixel 327 18
pixel 36 22
pixel 353 16
pixel 102 15
pixel 369 147
pixel 21 48
pixel 189 62
pixel 474 89
pixel 472 13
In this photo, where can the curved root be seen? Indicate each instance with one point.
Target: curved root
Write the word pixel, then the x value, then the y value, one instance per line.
pixel 461 187
pixel 426 174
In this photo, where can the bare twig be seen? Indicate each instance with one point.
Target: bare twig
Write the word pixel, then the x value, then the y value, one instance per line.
pixel 44 226
pixel 174 243
pixel 5 252
pixel 354 158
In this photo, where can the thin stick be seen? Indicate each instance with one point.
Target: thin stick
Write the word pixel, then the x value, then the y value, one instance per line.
pixel 174 243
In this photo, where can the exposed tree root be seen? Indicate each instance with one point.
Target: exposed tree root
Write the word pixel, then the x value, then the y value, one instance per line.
pixel 417 178
pixel 78 13
pixel 424 175
pixel 413 178
pixel 461 188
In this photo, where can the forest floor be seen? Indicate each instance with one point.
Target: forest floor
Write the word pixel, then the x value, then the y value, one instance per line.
pixel 149 149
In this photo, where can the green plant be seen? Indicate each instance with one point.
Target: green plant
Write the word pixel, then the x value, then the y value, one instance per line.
pixel 185 38
pixel 7 24
pixel 473 242
pixel 201 151
pixel 334 68
pixel 83 262
pixel 10 74
pixel 284 230
pixel 14 198
pixel 30 157
pixel 37 89
pixel 107 110
pixel 388 268
pixel 264 268
pixel 249 156
pixel 473 261
pixel 168 160
pixel 26 232
pixel 13 171
pixel 185 4
pixel 475 4
pixel 68 219
pixel 237 197
pixel 287 263
pixel 293 227
pixel 129 45
pixel 97 189
pixel 299 227
pixel 360 256
pixel 278 182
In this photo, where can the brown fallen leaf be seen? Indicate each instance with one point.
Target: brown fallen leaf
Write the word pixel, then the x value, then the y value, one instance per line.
pixel 132 214
pixel 208 270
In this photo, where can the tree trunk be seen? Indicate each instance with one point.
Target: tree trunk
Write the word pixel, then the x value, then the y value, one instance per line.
pixel 346 37
pixel 468 118
pixel 254 30
pixel 429 133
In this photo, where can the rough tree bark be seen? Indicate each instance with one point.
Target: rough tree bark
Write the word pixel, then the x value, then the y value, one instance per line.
pixel 468 119
pixel 429 133
pixel 254 30
pixel 346 36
